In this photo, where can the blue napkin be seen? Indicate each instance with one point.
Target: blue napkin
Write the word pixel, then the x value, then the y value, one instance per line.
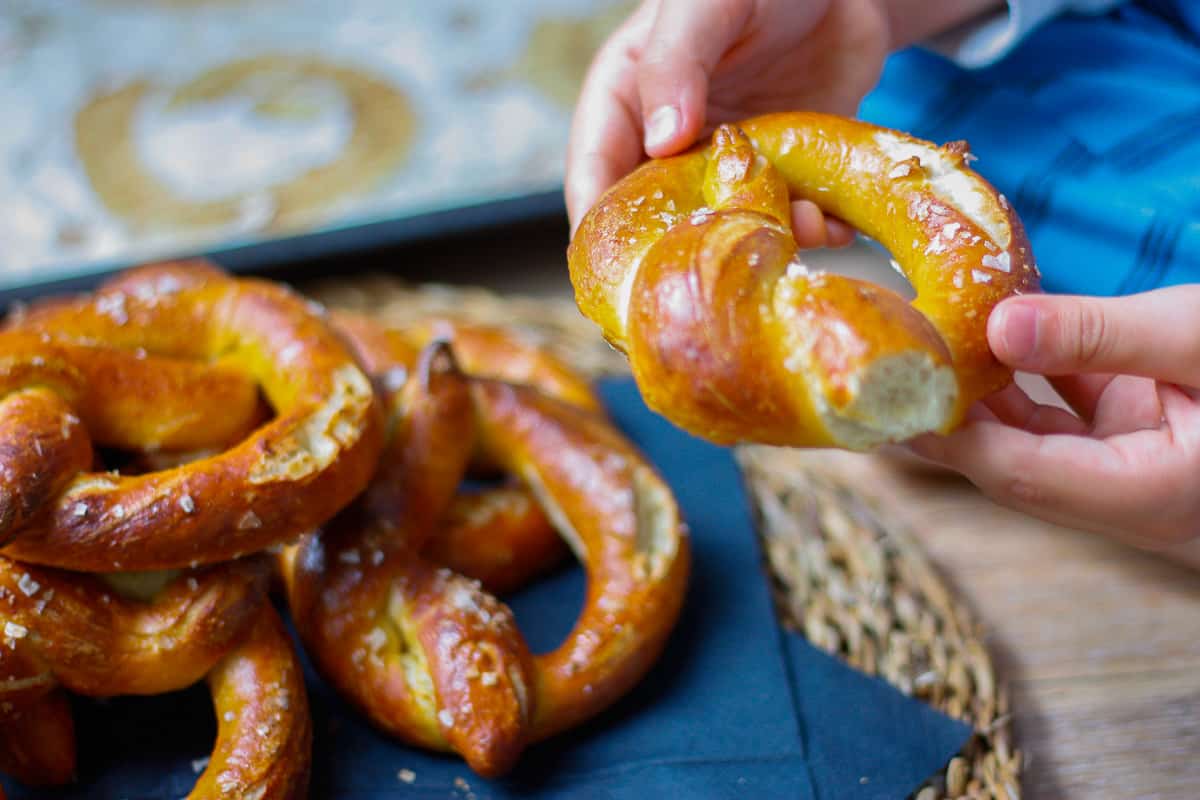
pixel 736 707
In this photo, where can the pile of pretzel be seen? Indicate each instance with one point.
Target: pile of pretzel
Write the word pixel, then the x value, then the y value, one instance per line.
pixel 257 435
pixel 179 442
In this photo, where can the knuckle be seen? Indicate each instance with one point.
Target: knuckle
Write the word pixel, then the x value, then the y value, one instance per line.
pixel 1089 333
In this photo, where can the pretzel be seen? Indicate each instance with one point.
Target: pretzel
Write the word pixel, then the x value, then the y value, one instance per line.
pixel 75 632
pixel 498 536
pixel 424 652
pixel 172 357
pixel 487 352
pixel 689 266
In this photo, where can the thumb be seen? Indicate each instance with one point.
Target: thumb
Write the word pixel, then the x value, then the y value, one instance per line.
pixel 1154 334
pixel 686 41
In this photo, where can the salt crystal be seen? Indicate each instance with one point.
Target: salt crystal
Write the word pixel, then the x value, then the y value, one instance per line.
pixel 28 585
pixel 376 639
pixel 290 352
pixel 446 717
pixel 187 504
pixel 113 306
pixel 249 520
pixel 1000 262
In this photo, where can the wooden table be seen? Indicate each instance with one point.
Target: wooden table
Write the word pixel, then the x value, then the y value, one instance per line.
pixel 1100 643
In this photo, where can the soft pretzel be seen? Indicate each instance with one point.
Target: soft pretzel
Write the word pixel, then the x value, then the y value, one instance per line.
pixel 498 536
pixel 485 351
pixel 172 356
pixel 689 266
pixel 77 632
pixel 424 652
pixel 264 729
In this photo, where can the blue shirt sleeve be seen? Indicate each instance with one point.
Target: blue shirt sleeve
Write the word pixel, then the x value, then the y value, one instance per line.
pixel 986 40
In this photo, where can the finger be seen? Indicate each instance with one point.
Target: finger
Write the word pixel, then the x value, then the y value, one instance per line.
pixel 606 129
pixel 1130 488
pixel 813 228
pixel 687 40
pixel 1129 403
pixel 1081 392
pixel 1013 406
pixel 1155 334
pixel 808 225
pixel 839 233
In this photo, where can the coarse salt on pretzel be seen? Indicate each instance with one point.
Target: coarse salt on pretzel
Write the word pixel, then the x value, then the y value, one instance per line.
pixel 427 654
pixel 498 535
pixel 72 631
pixel 389 352
pixel 689 266
pixel 172 356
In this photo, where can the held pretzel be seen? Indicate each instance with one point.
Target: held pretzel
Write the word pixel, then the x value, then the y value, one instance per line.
pixel 171 357
pixel 70 631
pixel 423 651
pixel 689 266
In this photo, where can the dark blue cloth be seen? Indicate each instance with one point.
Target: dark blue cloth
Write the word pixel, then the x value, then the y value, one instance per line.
pixel 1090 127
pixel 736 707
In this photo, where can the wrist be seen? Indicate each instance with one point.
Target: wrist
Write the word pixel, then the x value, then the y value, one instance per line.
pixel 910 21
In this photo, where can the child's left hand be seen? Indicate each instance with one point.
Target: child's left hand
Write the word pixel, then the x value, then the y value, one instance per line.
pixel 1127 463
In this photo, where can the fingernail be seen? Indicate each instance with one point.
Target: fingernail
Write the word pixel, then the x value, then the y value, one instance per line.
pixel 1019 331
pixel 661 126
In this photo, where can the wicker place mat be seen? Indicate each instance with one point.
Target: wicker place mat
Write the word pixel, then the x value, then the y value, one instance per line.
pixel 844 574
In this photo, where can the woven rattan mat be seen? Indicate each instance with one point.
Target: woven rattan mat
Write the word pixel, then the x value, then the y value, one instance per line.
pixel 845 575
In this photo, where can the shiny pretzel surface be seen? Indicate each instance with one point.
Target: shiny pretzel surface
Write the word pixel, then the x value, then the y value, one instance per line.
pixel 425 652
pixel 173 357
pixel 399 477
pixel 67 631
pixel 689 266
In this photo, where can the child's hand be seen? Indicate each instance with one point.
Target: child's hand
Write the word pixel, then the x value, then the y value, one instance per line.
pixel 1129 464
pixel 678 68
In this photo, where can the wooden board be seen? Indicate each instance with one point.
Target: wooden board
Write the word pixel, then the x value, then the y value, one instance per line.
pixel 1100 643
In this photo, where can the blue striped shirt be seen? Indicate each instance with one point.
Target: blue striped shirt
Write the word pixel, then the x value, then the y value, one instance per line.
pixel 1091 127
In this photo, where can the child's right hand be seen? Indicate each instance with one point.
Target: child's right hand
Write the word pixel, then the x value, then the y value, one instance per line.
pixel 677 68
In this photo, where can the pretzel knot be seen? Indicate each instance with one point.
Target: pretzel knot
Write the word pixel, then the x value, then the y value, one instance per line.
pixel 423 651
pixel 75 632
pixel 498 535
pixel 172 358
pixel 689 266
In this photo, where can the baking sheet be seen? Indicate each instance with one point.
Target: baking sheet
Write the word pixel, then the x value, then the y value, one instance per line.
pixel 138 129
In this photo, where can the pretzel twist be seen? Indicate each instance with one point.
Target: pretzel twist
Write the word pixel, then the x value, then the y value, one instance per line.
pixel 172 357
pixel 689 266
pixel 76 632
pixel 424 652
pixel 497 535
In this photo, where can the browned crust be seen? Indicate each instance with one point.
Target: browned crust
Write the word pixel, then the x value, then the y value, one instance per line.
pixel 689 224
pixel 287 477
pixel 425 653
